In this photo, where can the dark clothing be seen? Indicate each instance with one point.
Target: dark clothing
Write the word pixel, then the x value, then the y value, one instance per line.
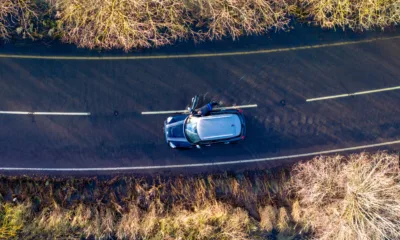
pixel 206 109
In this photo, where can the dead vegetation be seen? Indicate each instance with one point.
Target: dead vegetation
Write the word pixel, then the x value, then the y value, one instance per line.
pixel 353 14
pixel 11 219
pixel 123 23
pixel 7 9
pixel 135 24
pixel 355 197
pixel 131 24
pixel 21 17
pixel 350 198
pixel 212 207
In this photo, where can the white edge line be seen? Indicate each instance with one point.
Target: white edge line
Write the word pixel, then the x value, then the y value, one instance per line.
pixel 186 111
pixel 353 94
pixel 200 164
pixel 46 113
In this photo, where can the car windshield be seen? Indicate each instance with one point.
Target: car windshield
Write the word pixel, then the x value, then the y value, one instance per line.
pixel 191 130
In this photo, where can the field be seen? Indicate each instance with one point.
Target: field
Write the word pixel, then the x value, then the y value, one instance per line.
pixel 133 24
pixel 354 197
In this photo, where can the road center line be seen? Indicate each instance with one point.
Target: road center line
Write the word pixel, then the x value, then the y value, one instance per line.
pixel 353 94
pixel 363 147
pixel 197 55
pixel 46 113
pixel 186 111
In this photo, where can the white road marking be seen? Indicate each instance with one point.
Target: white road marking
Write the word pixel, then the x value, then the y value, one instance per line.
pixel 165 112
pixel 201 164
pixel 186 111
pixel 353 94
pixel 46 113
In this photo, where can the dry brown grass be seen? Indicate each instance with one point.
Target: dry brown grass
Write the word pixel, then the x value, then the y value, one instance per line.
pixel 297 212
pixel 131 24
pixel 129 226
pixel 55 221
pixel 337 198
pixel 122 23
pixel 81 217
pixel 283 220
pixel 268 215
pixel 235 18
pixel 350 198
pixel 12 219
pixel 212 207
pixel 213 221
pixel 355 14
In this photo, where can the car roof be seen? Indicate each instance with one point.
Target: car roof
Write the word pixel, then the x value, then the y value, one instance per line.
pixel 221 126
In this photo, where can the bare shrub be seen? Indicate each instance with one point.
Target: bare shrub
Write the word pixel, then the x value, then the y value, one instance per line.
pixel 19 15
pixel 131 24
pixel 377 13
pixel 122 23
pixel 361 198
pixel 235 18
pixel 355 14
pixel 316 181
pixel 7 9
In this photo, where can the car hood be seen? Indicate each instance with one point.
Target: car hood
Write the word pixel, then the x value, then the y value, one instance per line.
pixel 175 130
pixel 219 127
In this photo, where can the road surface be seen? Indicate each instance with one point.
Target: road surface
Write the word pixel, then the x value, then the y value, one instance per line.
pixel 128 139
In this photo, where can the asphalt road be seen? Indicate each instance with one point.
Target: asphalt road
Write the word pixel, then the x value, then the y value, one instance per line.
pixel 132 86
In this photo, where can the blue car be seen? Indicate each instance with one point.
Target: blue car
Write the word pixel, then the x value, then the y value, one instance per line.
pixel 204 128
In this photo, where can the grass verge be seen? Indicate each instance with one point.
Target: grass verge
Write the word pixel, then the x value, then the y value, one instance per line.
pixel 336 197
pixel 133 24
pixel 350 198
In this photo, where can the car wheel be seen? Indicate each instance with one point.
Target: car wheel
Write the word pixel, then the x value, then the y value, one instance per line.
pixel 172 145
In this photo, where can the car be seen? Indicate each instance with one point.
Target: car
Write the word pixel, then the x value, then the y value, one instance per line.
pixel 193 130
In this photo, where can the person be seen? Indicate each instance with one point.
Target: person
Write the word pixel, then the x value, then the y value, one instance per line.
pixel 206 109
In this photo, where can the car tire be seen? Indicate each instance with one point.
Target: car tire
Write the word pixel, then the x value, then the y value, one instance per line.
pixel 171 145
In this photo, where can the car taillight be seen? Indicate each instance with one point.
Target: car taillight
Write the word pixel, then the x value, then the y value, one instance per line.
pixel 240 111
pixel 243 137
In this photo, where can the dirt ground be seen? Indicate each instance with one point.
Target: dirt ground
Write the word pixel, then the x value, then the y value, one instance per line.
pixel 133 86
